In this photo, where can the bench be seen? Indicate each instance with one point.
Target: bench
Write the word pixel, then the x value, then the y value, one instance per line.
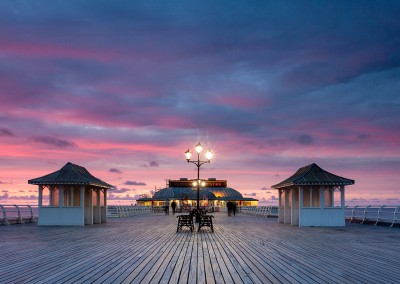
pixel 185 221
pixel 206 221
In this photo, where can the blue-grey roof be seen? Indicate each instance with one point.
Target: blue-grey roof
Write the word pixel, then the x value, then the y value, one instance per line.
pixel 70 174
pixel 313 175
pixel 212 193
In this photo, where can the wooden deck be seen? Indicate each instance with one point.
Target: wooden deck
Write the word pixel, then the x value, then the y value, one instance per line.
pixel 243 249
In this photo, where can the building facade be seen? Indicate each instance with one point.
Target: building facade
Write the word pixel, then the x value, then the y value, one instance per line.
pixel 215 194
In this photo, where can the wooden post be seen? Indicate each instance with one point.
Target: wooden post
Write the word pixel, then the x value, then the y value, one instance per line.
pixel 40 201
pixel 322 196
pixel 301 193
pixel 342 196
pixel 51 189
pixel 60 196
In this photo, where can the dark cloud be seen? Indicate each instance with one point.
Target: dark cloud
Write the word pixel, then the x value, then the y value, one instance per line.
pixel 122 190
pixel 265 188
pixel 134 183
pixel 113 170
pixel 154 164
pixel 60 143
pixel 6 132
pixel 305 139
pixel 122 198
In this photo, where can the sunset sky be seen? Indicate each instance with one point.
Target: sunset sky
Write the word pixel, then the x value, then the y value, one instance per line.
pixel 124 88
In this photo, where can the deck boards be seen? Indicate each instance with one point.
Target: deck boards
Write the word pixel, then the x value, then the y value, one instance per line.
pixel 242 249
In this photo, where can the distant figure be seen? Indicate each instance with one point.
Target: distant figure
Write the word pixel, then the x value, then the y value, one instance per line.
pixel 229 206
pixel 234 207
pixel 173 206
pixel 166 207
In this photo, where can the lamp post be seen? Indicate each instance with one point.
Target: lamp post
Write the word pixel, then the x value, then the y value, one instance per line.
pixel 198 163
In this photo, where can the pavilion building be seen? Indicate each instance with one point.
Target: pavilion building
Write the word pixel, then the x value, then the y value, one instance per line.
pixel 76 197
pixel 309 198
pixel 214 194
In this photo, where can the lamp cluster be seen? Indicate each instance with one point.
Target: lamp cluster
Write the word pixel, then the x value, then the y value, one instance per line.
pixel 199 149
pixel 198 183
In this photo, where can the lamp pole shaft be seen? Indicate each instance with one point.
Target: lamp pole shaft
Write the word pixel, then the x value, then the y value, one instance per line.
pixel 198 179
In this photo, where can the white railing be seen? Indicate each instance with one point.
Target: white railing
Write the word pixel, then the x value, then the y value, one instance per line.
pixel 373 214
pixel 120 211
pixel 263 211
pixel 18 214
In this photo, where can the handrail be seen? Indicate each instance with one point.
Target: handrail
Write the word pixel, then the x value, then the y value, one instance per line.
pixel 16 214
pixel 376 214
pixel 121 211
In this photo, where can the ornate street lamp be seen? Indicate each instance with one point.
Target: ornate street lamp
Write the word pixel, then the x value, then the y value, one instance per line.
pixel 198 183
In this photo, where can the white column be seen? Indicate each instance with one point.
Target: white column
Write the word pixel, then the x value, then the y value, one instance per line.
pixel 104 218
pixel 82 203
pixel 40 201
pixel 333 197
pixel 300 203
pixel 281 212
pixel 342 196
pixel 287 215
pixel 71 196
pixel 294 214
pixel 51 189
pixel 322 196
pixel 61 196
pixel 97 210
pixel 311 199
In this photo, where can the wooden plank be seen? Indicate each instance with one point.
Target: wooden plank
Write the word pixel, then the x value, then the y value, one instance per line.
pixel 242 249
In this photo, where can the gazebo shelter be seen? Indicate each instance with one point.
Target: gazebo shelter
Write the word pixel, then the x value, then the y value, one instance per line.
pixel 76 198
pixel 307 198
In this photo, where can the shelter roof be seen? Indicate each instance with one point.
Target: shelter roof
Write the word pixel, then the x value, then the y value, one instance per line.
pixel 313 175
pixel 70 174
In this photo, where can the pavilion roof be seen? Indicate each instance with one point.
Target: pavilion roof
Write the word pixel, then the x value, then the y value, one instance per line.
pixel 70 174
pixel 313 175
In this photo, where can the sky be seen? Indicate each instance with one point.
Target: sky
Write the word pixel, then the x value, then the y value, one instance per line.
pixel 124 88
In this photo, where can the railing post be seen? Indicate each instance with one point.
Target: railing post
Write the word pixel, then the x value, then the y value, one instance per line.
pixel 5 221
pixel 19 220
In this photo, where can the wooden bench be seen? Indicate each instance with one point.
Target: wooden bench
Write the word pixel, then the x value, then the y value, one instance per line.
pixel 206 221
pixel 185 221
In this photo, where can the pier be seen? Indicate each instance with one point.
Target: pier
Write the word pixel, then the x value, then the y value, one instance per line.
pixel 243 249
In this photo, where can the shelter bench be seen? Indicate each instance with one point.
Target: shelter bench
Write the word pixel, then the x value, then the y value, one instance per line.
pixel 185 221
pixel 206 221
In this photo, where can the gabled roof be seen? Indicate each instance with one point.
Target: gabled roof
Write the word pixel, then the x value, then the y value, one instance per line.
pixel 313 175
pixel 70 174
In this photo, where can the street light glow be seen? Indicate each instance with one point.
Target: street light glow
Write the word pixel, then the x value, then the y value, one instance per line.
pixel 198 148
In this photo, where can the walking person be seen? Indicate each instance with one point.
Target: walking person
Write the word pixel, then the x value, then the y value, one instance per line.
pixel 229 206
pixel 234 207
pixel 173 206
pixel 167 207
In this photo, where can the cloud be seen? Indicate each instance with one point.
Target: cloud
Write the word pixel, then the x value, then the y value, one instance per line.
pixel 134 183
pixel 251 194
pixel 122 190
pixel 6 196
pixel 6 132
pixel 154 164
pixel 122 198
pixel 305 139
pixel 60 143
pixel 265 188
pixel 113 170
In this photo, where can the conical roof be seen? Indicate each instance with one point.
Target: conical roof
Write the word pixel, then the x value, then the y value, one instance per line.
pixel 313 175
pixel 70 174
